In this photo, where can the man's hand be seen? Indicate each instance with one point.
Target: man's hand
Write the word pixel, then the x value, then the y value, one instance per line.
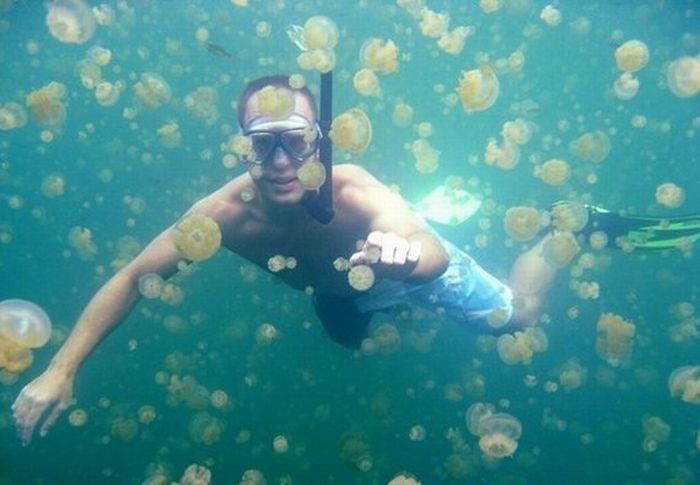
pixel 389 249
pixel 49 391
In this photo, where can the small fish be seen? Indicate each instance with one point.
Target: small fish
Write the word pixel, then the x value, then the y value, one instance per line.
pixel 217 50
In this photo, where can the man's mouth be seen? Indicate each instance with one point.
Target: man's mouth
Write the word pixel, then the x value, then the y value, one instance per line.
pixel 283 182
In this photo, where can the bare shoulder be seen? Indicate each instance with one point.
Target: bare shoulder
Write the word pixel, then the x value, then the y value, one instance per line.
pixel 225 205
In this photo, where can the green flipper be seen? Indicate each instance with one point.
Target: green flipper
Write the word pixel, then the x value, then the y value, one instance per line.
pixel 644 233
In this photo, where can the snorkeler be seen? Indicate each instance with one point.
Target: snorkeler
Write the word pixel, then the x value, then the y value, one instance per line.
pixel 410 261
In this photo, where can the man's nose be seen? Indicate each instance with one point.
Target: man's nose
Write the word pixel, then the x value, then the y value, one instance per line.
pixel 280 158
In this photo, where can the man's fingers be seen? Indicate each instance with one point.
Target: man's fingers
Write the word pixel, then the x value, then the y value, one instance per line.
pixel 401 251
pixel 52 418
pixel 414 251
pixel 358 258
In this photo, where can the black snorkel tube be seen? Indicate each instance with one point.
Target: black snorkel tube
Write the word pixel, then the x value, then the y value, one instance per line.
pixel 320 205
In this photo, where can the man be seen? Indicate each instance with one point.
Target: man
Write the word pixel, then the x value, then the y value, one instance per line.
pixel 411 264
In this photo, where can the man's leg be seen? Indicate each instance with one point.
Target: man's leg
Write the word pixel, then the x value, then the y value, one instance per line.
pixel 530 279
pixel 341 319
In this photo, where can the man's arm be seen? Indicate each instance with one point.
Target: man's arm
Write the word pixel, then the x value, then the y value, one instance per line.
pixel 53 390
pixel 407 249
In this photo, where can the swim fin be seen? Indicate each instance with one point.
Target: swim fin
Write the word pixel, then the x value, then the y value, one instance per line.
pixel 447 205
pixel 642 232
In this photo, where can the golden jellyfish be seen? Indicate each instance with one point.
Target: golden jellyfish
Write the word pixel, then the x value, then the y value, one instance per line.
pixel 195 475
pixel 516 61
pixel 453 41
pixel 656 431
pixel 297 81
pixel 569 216
pixel 276 263
pixel 70 21
pixel 169 134
pixel 320 33
pixel 220 400
pixel 206 429
pixel 126 429
pixel 90 73
pixel 280 444
pixel 196 236
pixel 550 16
pixel 520 347
pixel 402 115
pixel 572 375
pixel 517 131
pixel 171 294
pixel 615 337
pixel 24 323
pixel 99 55
pixel 312 175
pixel 361 277
pixel 626 86
pixel 505 156
pixel 684 382
pixel 12 115
pixel 351 130
pixel 80 239
pixel 380 55
pixel 404 479
pixel 632 56
pixel 46 106
pixel 146 414
pixel 366 82
pixel 275 102
pixel 78 418
pixel 683 76
pixel 434 24
pixel 266 334
pixel 53 185
pixel 670 195
pixel 554 172
pixel 560 249
pixel 591 147
pixel 106 93
pixel 522 223
pixel 14 358
pixel 150 285
pixel 478 89
pixel 427 158
pixel 498 432
pixel 491 6
pixel 202 104
pixel 475 413
pixel 386 338
pixel 152 91
pixel 321 60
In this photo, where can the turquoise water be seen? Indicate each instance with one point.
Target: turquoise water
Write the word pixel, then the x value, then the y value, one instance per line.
pixel 302 386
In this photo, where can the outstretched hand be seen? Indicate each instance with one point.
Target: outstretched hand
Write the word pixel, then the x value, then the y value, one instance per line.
pixel 48 392
pixel 388 249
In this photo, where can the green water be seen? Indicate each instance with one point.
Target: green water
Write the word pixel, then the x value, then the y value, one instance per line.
pixel 302 385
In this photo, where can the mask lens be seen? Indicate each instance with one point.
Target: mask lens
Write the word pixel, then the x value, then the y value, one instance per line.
pixel 300 144
pixel 263 144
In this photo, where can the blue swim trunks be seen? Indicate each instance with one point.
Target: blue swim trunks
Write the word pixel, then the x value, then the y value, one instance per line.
pixel 464 292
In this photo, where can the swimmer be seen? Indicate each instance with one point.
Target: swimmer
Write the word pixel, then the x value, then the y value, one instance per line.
pixel 408 259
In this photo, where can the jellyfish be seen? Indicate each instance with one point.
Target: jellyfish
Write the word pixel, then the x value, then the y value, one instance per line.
pixel 478 89
pixel 404 479
pixel 626 86
pixel 683 76
pixel 656 431
pixel 53 185
pixel 351 130
pixel 361 277
pixel 684 382
pixel 522 223
pixel 615 338
pixel 196 236
pixel 146 414
pixel 126 429
pixel 106 93
pixel 266 334
pixel 453 41
pixel 78 417
pixel 433 24
pixel 632 56
pixel 70 21
pixel 24 323
pixel 491 6
pixel 591 147
pixel 12 115
pixel 402 115
pixel 517 131
pixel 152 91
pixel 550 16
pixel 80 239
pixel 46 106
pixel 366 82
pixel 150 285
pixel 569 216
pixel 280 444
pixel 387 339
pixel 312 175
pixel 427 158
pixel 14 358
pixel 670 195
pixel 498 432
pixel 277 263
pixel 201 104
pixel 475 413
pixel 560 249
pixel 505 156
pixel 275 102
pixel 554 172
pixel 196 475
pixel 572 375
pixel 206 429
pixel 169 134
pixel 320 32
pixel 379 55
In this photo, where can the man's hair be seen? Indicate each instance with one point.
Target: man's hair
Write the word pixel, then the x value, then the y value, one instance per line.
pixel 277 81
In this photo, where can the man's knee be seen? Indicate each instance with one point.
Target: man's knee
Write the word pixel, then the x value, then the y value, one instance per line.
pixel 343 323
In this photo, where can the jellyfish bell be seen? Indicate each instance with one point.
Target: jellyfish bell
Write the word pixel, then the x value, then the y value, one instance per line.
pixel 312 175
pixel 478 89
pixel 361 277
pixel 475 413
pixel 196 236
pixel 522 223
pixel 70 21
pixel 632 56
pixel 24 323
pixel 683 76
pixel 320 32
pixel 351 130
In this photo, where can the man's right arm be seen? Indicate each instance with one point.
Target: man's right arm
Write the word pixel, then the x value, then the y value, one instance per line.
pixel 52 391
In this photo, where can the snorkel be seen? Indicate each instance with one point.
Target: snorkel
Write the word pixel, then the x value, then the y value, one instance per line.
pixel 319 204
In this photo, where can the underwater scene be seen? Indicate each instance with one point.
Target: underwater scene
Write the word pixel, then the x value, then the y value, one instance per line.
pixel 500 121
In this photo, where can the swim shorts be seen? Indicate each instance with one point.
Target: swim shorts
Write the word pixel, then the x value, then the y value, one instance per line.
pixel 464 292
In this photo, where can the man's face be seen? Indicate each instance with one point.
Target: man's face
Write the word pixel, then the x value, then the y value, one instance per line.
pixel 278 180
